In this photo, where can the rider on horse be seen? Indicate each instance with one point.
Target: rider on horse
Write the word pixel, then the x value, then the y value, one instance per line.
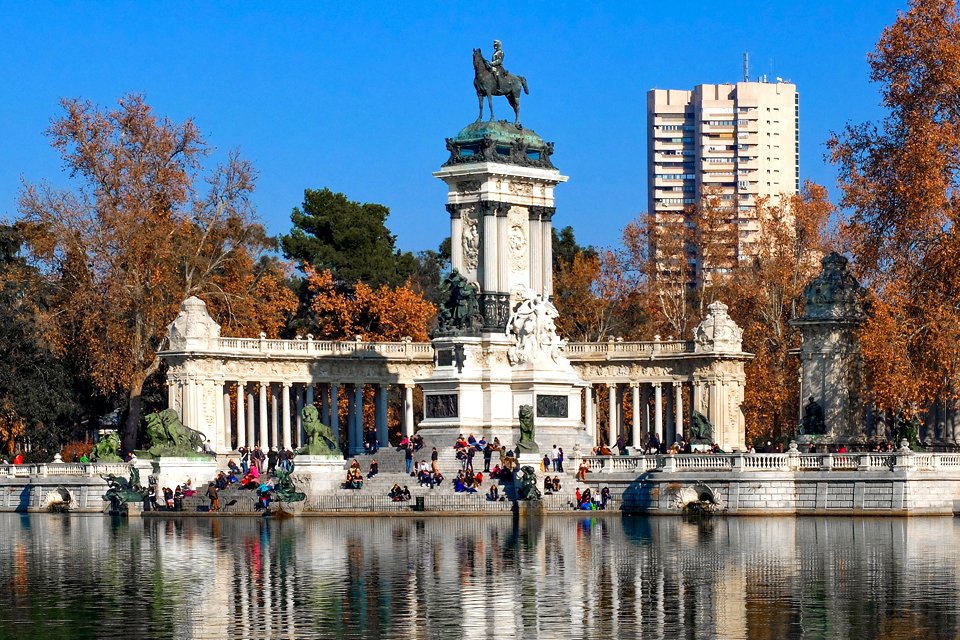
pixel 496 62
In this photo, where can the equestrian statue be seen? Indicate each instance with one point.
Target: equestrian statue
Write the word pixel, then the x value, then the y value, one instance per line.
pixel 491 79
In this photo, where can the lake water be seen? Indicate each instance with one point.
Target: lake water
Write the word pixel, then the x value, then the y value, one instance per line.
pixel 560 577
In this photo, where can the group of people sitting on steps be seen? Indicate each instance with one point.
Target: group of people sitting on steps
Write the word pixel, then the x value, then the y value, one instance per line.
pixel 354 477
pixel 399 495
pixel 551 485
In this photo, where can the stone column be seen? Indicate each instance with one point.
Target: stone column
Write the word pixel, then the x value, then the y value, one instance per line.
pixel 658 408
pixel 263 415
pixel 678 406
pixel 456 238
pixel 227 420
pixel 535 250
pixel 546 250
pixel 613 428
pixel 172 389
pixel 381 411
pixel 186 415
pixel 351 419
pixel 635 398
pixel 716 417
pixel 644 409
pixel 285 415
pixel 324 405
pixel 334 413
pixel 588 412
pixel 357 439
pixel 219 437
pixel 299 420
pixel 503 258
pixel 251 420
pixel 489 282
pixel 241 415
pixel 408 410
pixel 274 416
pixel 310 398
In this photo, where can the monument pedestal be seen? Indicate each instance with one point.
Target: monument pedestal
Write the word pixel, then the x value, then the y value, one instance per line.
pixel 475 389
pixel 318 475
pixel 173 471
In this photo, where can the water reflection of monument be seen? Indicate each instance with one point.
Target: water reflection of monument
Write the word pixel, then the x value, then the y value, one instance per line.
pixel 482 577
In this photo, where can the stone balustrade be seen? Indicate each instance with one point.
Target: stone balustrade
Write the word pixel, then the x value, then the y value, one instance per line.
pixel 615 350
pixel 49 469
pixel 403 350
pixel 772 462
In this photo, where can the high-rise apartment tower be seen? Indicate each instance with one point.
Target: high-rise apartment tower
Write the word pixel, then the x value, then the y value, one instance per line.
pixel 738 141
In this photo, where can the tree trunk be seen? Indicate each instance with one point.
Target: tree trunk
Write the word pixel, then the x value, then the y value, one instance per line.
pixel 132 426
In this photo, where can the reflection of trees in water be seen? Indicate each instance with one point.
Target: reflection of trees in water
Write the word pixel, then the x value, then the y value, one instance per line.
pixel 453 577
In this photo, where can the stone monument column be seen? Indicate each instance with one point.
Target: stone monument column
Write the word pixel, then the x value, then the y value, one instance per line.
pixel 500 197
pixel 830 356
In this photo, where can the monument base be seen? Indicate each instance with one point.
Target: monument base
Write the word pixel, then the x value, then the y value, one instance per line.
pixel 475 389
pixel 173 471
pixel 318 475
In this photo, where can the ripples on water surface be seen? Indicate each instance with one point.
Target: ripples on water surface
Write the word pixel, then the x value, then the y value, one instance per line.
pixel 562 577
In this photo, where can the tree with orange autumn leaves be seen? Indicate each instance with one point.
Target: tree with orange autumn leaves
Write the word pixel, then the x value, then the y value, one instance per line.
pixel 383 314
pixel 145 228
pixel 899 178
pixel 668 294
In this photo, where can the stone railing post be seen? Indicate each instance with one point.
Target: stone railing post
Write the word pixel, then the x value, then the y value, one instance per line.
pixel 827 463
pixel 904 456
pixel 793 456
pixel 670 463
pixel 739 464
pixel 864 462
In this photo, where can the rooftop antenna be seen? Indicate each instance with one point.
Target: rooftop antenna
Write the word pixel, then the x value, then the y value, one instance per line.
pixel 746 66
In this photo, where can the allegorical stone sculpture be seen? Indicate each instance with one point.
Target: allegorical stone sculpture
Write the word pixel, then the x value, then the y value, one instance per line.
pixel 108 449
pixel 528 489
pixel 490 79
pixel 169 437
pixel 122 490
pixel 813 423
pixel 284 487
pixel 319 437
pixel 534 332
pixel 527 444
pixel 700 428
pixel 460 310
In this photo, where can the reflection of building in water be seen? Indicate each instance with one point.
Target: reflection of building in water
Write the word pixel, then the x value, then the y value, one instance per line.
pixel 484 578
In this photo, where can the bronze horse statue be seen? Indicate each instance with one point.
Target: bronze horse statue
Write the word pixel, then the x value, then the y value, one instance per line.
pixel 485 83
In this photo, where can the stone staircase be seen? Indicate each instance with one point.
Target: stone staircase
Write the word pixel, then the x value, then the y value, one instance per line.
pixel 373 496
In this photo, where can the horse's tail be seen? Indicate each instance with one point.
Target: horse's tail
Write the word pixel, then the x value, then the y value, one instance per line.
pixel 523 81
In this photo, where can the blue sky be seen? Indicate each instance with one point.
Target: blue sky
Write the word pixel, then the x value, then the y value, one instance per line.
pixel 359 96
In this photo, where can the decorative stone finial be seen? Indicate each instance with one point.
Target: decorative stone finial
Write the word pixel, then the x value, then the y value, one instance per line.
pixel 718 333
pixel 835 293
pixel 193 329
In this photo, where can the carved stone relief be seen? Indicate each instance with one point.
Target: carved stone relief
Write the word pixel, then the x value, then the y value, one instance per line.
pixel 470 239
pixel 520 188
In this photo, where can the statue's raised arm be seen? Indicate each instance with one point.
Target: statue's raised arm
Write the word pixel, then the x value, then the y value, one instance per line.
pixel 492 79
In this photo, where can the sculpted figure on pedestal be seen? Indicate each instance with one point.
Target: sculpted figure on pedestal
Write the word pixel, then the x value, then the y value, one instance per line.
pixel 813 423
pixel 527 443
pixel 491 79
pixel 318 435
pixel 534 331
pixel 170 437
pixel 108 449
pixel 460 310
